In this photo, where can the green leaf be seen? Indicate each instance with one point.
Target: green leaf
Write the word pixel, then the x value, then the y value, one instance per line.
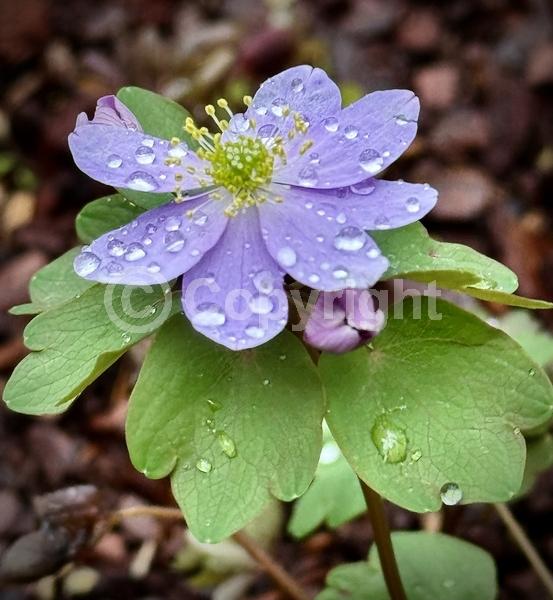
pixel 158 116
pixel 413 254
pixel 103 215
pixel 523 327
pixel 53 285
pixel 230 427
pixel 433 566
pixel 334 497
pixel 539 457
pixel 436 402
pixel 75 342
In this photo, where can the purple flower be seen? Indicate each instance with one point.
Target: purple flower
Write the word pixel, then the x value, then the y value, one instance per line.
pixel 286 188
pixel 342 321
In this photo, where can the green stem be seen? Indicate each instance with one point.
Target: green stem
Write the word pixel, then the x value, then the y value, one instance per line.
pixel 520 537
pixel 383 543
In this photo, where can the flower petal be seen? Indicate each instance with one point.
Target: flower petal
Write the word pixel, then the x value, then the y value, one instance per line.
pixel 362 140
pixel 127 158
pixel 234 296
pixel 378 204
pixel 312 240
pixel 158 246
pixel 302 90
pixel 111 111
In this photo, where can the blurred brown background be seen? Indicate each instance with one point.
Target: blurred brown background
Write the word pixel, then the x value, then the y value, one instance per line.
pixel 484 72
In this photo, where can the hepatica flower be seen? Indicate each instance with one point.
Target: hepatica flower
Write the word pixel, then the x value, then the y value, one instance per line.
pixel 287 187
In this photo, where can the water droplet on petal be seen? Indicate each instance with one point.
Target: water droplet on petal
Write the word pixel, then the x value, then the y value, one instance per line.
pixel 153 268
pixel 114 161
pixel 363 188
pixel 204 465
pixel 151 228
pixel 350 239
pixel 412 205
pixel 278 106
pixel 341 218
pixel 351 132
pixel 286 257
pixel 116 247
pixel 135 251
pixel 148 142
pixel 297 85
pixel 86 263
pixel 264 282
pixel 178 151
pixel 370 161
pixel 451 494
pixel 209 315
pixel 261 110
pixel 340 273
pixel 142 182
pixel 144 155
pixel 382 223
pixel 314 278
pixel 308 176
pixel 172 223
pixel 389 439
pixel 261 304
pixel 113 269
pixel 199 218
pixel 401 120
pixel 174 241
pixel 314 158
pixel 239 123
pixel 331 124
pixel 255 332
pixel 227 444
pixel 374 253
pixel 267 131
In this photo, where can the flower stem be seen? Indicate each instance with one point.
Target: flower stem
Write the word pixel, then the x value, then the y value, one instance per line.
pixel 526 546
pixel 383 542
pixel 284 581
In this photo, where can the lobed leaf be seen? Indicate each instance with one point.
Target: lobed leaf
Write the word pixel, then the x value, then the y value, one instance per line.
pixel 436 405
pixel 431 565
pixel 230 427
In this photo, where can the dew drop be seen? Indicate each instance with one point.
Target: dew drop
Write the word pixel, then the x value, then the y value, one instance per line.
pixel 142 182
pixel 370 161
pixel 86 263
pixel 286 257
pixel 263 282
pixel 147 241
pixel 151 228
pixel 149 142
pixel 314 158
pixel 331 124
pixel 116 248
pixel 314 278
pixel 267 131
pixel 389 439
pixel 135 251
pixel 363 188
pixel 126 338
pixel 209 315
pixel 255 332
pixel 401 120
pixel 350 239
pixel 351 132
pixel 178 151
pixel 341 218
pixel 239 123
pixel 382 223
pixel 199 218
pixel 297 85
pixel 278 106
pixel 340 273
pixel 204 465
pixel 114 161
pixel 416 455
pixel 261 304
pixel 172 223
pixel 144 155
pixel 412 205
pixel 330 453
pixel 261 110
pixel 451 494
pixel 174 241
pixel 153 268
pixel 214 406
pixel 374 253
pixel 308 176
pixel 114 269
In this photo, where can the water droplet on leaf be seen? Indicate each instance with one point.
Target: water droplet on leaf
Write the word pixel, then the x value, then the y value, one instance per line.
pixel 204 465
pixel 451 494
pixel 389 439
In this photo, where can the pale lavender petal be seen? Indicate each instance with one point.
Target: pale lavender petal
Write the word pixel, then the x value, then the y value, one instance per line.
pixel 157 246
pixel 342 321
pixel 313 241
pixel 375 204
pixel 234 296
pixel 131 159
pixel 111 111
pixel 360 141
pixel 301 90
